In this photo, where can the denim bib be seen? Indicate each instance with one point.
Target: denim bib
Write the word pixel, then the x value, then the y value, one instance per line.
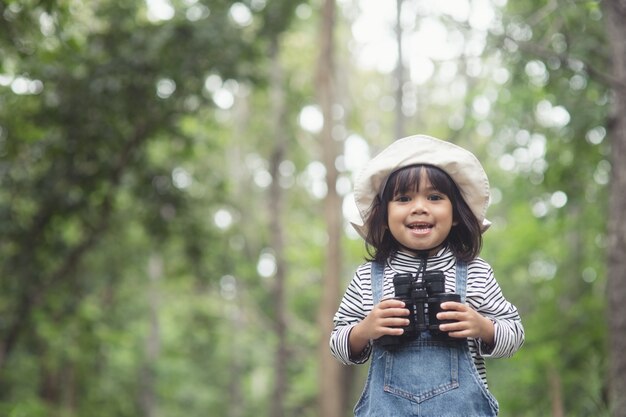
pixel 424 377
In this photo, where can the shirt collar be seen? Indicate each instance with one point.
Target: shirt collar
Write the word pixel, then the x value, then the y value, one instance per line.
pixel 407 262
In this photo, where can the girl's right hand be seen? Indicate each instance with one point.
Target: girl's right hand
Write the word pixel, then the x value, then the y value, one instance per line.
pixel 386 318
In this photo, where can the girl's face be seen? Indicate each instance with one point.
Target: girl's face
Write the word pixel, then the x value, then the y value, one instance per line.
pixel 420 219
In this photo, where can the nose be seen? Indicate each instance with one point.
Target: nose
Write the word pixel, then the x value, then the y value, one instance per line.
pixel 419 206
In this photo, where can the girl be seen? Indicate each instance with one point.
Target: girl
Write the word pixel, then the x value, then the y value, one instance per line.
pixel 422 204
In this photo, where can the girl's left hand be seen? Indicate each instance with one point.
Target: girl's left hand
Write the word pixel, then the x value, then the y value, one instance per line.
pixel 468 322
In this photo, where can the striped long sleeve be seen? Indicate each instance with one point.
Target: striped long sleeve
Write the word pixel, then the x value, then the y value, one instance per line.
pixel 483 294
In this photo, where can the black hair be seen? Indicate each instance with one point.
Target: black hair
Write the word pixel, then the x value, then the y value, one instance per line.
pixel 465 238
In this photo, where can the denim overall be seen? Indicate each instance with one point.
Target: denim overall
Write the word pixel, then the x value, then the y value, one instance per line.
pixel 424 378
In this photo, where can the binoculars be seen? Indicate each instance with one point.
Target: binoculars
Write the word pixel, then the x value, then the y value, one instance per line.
pixel 423 300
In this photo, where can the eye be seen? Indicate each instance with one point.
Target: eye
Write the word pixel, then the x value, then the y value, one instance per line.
pixel 402 198
pixel 436 197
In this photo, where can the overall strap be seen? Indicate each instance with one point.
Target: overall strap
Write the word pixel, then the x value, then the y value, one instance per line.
pixel 461 278
pixel 377 278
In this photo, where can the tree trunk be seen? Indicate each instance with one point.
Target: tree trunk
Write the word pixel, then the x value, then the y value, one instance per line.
pixel 331 388
pixel 556 392
pixel 277 94
pixel 399 72
pixel 615 12
pixel 147 393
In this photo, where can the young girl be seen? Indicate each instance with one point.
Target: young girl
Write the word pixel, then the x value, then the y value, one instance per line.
pixel 422 204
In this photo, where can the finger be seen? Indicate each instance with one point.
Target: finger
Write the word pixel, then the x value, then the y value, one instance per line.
pixel 452 327
pixel 391 303
pixel 453 305
pixel 391 331
pixel 450 315
pixel 459 335
pixel 395 322
pixel 394 312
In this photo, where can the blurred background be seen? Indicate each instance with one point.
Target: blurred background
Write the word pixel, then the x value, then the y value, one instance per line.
pixel 175 177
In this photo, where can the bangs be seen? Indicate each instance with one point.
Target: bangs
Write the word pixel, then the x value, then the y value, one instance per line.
pixel 409 178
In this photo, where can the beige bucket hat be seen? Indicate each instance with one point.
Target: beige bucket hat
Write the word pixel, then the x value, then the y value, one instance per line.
pixel 461 165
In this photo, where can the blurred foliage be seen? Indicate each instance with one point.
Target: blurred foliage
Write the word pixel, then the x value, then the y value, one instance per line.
pixel 133 199
pixel 555 61
pixel 112 156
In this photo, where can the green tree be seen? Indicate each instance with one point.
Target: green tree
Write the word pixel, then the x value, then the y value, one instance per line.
pixel 552 119
pixel 103 111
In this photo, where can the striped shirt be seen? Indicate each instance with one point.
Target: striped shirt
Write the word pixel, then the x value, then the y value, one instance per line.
pixel 483 295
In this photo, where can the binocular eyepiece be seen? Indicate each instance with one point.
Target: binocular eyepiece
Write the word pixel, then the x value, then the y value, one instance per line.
pixel 423 300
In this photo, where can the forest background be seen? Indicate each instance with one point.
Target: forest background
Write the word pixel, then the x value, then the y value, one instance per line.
pixel 175 177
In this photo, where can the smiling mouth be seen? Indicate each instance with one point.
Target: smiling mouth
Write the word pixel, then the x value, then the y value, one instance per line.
pixel 420 226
